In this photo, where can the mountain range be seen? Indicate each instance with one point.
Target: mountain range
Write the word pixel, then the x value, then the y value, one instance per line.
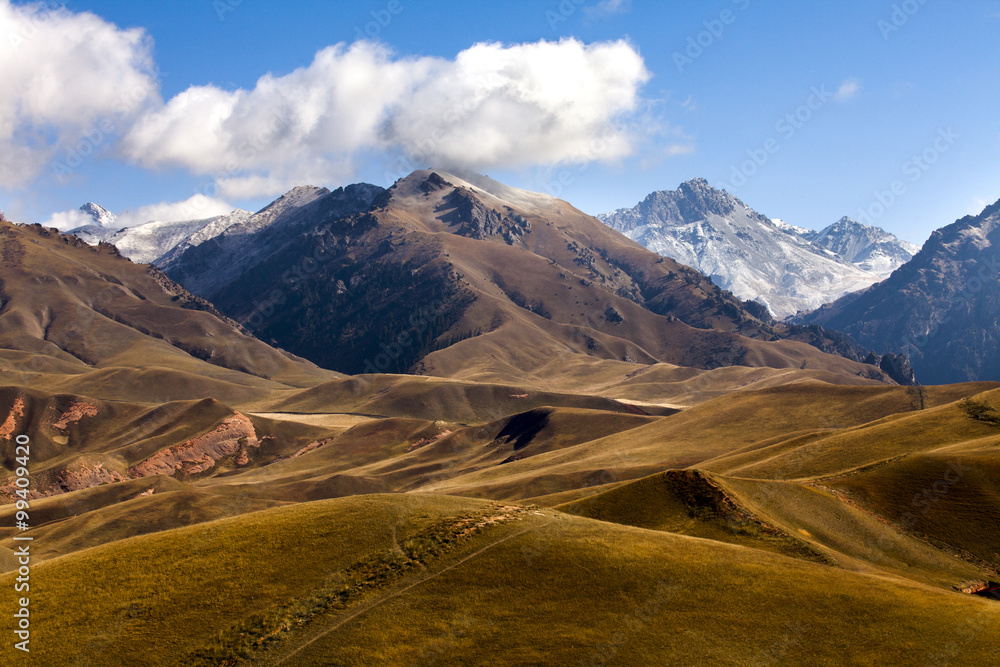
pixel 474 279
pixel 582 419
pixel 786 268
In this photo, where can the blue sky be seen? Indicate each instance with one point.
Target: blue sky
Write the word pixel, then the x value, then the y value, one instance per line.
pixel 888 111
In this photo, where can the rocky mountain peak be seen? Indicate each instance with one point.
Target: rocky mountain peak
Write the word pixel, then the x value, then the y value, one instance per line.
pixel 968 232
pixel 434 182
pixel 870 248
pixel 693 200
pixel 740 249
pixel 298 196
pixel 102 216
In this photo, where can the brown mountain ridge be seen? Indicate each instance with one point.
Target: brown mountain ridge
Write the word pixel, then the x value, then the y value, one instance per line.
pixel 476 280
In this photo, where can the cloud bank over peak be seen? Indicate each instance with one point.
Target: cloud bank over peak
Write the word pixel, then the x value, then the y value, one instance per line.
pixel 77 88
pixel 195 207
pixel 492 105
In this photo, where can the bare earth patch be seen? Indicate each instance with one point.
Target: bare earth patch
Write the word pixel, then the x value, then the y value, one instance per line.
pixel 200 454
pixel 328 419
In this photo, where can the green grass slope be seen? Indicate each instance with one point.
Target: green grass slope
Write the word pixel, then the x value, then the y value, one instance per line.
pixel 412 579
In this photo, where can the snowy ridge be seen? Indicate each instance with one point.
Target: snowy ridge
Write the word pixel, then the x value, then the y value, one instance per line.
pixel 754 257
pixel 869 248
pixel 149 242
pixel 791 229
pixel 162 243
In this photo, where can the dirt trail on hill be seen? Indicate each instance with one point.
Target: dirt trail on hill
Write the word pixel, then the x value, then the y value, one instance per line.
pixel 368 605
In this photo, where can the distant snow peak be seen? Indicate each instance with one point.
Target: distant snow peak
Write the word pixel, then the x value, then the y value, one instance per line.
pixel 785 267
pixel 161 242
pixel 102 216
pixel 869 248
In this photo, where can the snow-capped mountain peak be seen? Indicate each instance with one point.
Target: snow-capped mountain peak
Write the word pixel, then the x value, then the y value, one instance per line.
pixel 870 248
pixel 102 216
pixel 756 257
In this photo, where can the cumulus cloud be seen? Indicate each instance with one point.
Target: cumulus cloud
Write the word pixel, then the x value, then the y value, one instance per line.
pixel 69 80
pixel 493 105
pixel 66 220
pixel 507 106
pixel 847 90
pixel 76 86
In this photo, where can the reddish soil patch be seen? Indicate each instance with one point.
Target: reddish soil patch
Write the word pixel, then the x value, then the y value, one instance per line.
pixel 200 453
pixel 10 424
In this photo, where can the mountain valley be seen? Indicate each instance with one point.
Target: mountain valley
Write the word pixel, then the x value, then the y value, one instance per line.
pixel 383 425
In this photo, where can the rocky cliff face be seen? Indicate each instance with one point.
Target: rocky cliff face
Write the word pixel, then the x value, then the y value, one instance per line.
pixel 473 219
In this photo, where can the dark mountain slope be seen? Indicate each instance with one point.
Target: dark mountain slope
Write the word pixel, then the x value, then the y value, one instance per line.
pixel 942 308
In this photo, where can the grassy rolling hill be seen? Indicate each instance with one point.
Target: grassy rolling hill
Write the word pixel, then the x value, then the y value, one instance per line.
pixel 763 526
pixel 414 579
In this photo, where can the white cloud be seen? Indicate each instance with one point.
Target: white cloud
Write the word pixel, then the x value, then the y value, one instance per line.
pixel 545 102
pixel 493 105
pixel 69 80
pixel 66 220
pixel 848 89
pixel 196 207
pixel 305 126
pixel 75 86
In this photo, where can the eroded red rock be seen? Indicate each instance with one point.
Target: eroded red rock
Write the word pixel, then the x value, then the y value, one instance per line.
pixel 75 413
pixel 200 453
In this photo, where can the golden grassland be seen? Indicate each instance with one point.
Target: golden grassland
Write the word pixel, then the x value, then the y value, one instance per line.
pixel 404 579
pixel 768 526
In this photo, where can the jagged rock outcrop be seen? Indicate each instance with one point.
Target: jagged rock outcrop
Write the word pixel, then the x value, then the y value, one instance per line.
pixel 473 219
